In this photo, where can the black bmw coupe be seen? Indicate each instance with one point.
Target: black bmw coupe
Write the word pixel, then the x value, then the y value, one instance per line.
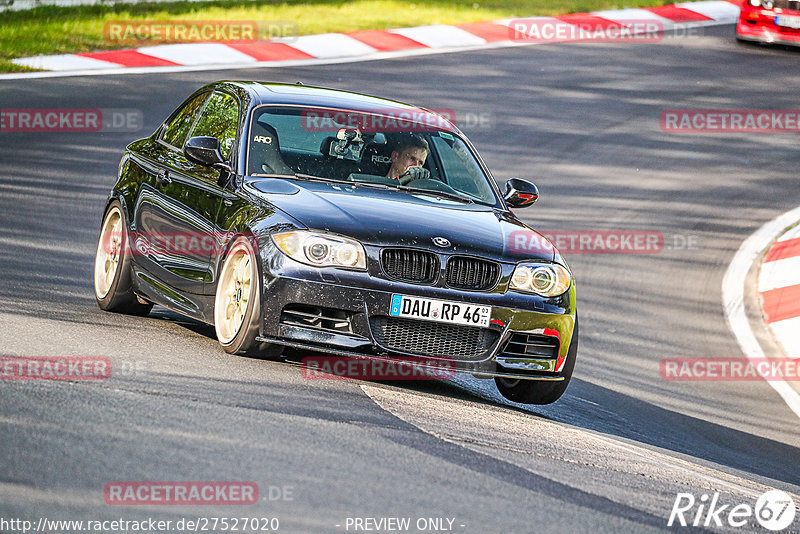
pixel 334 222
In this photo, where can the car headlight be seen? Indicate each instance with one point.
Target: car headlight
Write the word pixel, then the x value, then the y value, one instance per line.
pixel 322 250
pixel 545 279
pixel 754 3
pixel 767 4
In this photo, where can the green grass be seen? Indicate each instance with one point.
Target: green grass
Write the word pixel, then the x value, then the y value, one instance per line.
pixel 58 30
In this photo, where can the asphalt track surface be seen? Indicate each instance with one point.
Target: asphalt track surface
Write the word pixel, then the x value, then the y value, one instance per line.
pixel 582 121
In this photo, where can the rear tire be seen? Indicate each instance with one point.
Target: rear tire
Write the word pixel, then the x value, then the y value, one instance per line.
pixel 237 305
pixel 113 286
pixel 540 391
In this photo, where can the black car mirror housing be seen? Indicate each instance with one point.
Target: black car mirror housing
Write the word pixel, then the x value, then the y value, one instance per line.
pixel 520 193
pixel 205 151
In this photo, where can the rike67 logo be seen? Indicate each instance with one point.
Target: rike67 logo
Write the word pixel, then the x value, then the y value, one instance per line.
pixel 774 510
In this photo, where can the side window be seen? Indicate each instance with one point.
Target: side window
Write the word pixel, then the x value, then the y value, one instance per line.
pixel 220 119
pixel 461 169
pixel 176 131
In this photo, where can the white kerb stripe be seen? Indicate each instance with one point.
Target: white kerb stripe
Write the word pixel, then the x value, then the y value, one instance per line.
pixel 440 36
pixel 733 288
pixel 197 53
pixel 638 15
pixel 788 333
pixel 779 273
pixel 327 45
pixel 64 62
pixel 794 233
pixel 715 9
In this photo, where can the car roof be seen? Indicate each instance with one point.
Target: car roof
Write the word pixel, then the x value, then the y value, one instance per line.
pixel 311 96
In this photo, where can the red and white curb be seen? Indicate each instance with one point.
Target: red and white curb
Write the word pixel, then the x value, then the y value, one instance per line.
pixel 779 288
pixel 364 44
pixel 776 277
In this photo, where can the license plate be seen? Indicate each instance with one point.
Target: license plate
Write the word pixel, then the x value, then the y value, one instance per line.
pixel 441 311
pixel 787 21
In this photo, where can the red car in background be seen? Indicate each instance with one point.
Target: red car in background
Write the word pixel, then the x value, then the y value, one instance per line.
pixel 770 21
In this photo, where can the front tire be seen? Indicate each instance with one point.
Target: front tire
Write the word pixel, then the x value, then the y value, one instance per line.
pixel 539 391
pixel 113 287
pixel 237 304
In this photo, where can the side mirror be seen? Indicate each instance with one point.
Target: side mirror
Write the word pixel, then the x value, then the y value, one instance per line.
pixel 205 151
pixel 520 193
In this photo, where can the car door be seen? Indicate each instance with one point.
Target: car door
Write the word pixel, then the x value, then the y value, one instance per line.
pixel 177 210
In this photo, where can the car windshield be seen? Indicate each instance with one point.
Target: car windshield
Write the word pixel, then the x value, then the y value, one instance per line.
pixel 376 150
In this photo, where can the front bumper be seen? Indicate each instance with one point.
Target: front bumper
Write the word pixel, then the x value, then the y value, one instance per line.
pixel 363 299
pixel 757 24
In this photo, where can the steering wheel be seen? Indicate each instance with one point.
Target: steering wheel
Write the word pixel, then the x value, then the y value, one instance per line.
pixel 420 177
pixel 413 174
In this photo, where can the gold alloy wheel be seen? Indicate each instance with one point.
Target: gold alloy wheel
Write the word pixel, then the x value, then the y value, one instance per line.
pixel 234 293
pixel 109 253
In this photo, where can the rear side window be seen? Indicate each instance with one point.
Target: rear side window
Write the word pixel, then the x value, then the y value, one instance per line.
pixel 220 119
pixel 176 131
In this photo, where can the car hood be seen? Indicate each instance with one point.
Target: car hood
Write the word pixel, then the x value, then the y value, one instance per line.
pixel 391 217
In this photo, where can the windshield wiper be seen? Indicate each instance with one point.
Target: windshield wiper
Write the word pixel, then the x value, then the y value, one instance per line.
pixel 436 193
pixel 374 185
pixel 302 176
pixel 272 175
pixel 348 182
pixel 299 176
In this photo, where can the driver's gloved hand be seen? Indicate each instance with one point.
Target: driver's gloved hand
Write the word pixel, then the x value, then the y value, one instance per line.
pixel 414 173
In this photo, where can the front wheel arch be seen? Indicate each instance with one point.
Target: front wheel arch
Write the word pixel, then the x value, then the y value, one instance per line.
pixel 244 340
pixel 541 392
